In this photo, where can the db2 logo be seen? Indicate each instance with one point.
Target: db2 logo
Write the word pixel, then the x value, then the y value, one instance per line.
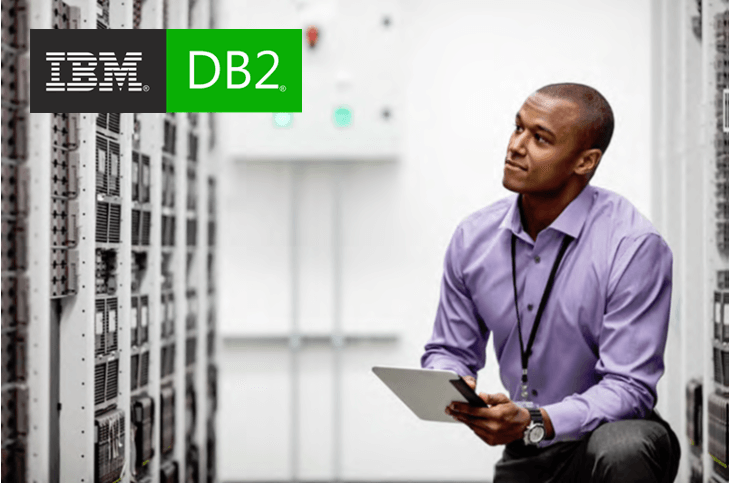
pixel 166 70
pixel 231 69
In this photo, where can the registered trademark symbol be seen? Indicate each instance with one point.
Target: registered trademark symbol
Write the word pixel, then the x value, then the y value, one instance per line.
pixel 282 88
pixel 145 88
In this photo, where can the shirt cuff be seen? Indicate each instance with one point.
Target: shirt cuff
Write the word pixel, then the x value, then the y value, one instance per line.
pixel 566 418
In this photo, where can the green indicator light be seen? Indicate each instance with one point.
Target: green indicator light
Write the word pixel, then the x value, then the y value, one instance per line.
pixel 283 119
pixel 342 117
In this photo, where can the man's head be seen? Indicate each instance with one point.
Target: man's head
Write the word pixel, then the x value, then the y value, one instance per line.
pixel 561 133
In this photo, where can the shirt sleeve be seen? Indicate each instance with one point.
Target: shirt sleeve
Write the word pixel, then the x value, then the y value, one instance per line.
pixel 632 342
pixel 459 338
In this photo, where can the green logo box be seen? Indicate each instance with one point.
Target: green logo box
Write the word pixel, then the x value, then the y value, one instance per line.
pixel 227 70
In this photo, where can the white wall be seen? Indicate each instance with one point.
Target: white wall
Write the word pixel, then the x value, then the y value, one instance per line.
pixel 468 67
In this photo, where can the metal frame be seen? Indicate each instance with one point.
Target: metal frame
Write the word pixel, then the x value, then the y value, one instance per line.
pixel 42 452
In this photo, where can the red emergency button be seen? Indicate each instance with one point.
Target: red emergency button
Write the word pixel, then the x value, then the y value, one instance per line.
pixel 312 36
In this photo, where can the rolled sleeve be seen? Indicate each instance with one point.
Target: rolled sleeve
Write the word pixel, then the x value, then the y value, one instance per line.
pixel 631 346
pixel 459 338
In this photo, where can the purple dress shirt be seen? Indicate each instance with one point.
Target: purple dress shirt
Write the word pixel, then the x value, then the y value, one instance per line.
pixel 598 352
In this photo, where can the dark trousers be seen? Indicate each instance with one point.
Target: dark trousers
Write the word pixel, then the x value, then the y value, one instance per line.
pixel 627 451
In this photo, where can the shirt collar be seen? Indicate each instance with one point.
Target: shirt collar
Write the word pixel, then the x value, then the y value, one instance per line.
pixel 570 221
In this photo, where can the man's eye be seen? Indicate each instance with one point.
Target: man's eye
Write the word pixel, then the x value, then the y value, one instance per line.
pixel 540 139
pixel 517 127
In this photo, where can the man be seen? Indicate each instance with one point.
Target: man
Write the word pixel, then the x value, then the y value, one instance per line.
pixel 575 286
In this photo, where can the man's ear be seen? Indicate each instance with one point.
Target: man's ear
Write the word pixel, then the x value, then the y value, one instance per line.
pixel 588 161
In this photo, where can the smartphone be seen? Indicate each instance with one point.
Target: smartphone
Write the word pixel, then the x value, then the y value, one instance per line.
pixel 462 386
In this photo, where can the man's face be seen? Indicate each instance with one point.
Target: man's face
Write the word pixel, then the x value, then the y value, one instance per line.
pixel 543 148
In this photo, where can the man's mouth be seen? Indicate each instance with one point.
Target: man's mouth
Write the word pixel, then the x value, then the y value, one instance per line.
pixel 513 164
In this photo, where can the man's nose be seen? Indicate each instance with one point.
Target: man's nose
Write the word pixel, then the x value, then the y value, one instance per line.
pixel 517 144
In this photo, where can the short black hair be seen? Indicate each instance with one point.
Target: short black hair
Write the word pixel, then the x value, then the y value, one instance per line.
pixel 595 112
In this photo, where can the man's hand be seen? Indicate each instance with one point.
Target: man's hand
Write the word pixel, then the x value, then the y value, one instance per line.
pixel 501 423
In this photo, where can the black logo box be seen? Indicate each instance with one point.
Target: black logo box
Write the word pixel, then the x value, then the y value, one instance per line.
pixel 151 71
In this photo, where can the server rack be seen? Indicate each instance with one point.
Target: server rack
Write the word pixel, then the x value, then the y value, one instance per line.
pixel 17 437
pixel 716 65
pixel 692 69
pixel 92 254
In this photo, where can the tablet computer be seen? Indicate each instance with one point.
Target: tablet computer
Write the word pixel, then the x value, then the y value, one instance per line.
pixel 427 392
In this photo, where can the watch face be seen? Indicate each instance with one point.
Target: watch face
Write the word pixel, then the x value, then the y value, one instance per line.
pixel 536 434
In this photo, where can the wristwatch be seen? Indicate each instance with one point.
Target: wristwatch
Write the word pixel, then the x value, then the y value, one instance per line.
pixel 535 432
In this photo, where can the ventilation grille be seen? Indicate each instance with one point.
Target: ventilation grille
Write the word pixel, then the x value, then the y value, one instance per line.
pixel 102 222
pixel 143 319
pixel 100 383
pixel 109 446
pixel 211 196
pixel 112 380
pixel 718 427
pixel 168 183
pixel 167 412
pixel 139 270
pixel 106 326
pixel 101 325
pixel 144 181
pixel 191 188
pixel 134 321
pixel 718 366
pixel 144 370
pixel 211 344
pixel 102 154
pixel 135 176
pixel 190 351
pixel 110 121
pixel 146 227
pixel 106 381
pixel 114 223
pixel 191 232
pixel 192 147
pixel 170 134
pixel 136 230
pixel 135 371
pixel 168 315
pixel 143 418
pixel 168 230
pixel 107 166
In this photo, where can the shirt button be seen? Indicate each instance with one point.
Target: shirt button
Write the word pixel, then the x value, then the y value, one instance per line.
pixel 534 392
pixel 530 307
pixel 536 259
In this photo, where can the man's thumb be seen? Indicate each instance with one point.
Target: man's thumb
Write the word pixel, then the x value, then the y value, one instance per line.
pixel 493 399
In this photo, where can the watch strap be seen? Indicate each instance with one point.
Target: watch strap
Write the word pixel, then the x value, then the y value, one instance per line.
pixel 536 415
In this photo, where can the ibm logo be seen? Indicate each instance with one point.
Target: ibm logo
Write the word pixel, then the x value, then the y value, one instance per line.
pixel 83 71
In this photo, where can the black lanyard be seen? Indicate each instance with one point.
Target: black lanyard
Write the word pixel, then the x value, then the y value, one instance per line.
pixel 525 355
